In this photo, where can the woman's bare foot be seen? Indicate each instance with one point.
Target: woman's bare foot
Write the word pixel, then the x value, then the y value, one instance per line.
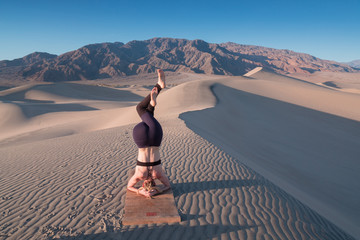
pixel 161 78
pixel 153 95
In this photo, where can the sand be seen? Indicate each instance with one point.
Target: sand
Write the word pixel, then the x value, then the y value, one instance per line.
pixel 252 157
pixel 346 82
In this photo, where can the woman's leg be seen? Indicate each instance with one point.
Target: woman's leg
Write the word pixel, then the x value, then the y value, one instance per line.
pixel 154 132
pixel 145 106
pixel 149 131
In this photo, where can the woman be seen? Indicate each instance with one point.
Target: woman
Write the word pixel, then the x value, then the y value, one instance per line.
pixel 147 136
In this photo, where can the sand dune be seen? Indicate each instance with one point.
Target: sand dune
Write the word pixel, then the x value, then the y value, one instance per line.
pixel 66 92
pixel 346 82
pixel 49 110
pixel 52 110
pixel 252 72
pixel 64 172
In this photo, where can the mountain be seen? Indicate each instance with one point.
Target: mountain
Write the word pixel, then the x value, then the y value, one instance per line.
pixel 27 60
pixel 105 60
pixel 354 64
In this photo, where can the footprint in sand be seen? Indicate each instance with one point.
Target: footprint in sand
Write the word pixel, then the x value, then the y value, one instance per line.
pixel 14 230
pixel 91 223
pixel 6 198
pixel 64 165
pixel 72 215
pixel 100 197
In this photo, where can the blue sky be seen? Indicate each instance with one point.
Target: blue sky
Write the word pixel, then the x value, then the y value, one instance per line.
pixel 326 29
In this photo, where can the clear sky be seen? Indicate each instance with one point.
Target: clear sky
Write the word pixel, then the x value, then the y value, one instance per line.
pixel 325 29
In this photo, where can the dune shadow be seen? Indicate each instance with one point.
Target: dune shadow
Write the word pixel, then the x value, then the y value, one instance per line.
pixel 34 109
pixel 249 77
pixel 174 231
pixel 4 88
pixel 331 84
pixel 75 91
pixel 304 81
pixel 272 132
pixel 188 187
pixel 188 216
pixel 91 92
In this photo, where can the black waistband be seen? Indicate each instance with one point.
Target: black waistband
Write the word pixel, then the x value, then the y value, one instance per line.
pixel 148 164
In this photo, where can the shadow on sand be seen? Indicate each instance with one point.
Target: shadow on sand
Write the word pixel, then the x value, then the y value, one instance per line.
pixel 76 92
pixel 172 232
pixel 183 188
pixel 35 109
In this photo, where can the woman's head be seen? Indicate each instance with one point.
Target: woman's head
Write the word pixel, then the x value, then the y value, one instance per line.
pixel 148 184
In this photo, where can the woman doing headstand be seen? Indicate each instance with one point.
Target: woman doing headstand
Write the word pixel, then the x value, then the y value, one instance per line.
pixel 147 136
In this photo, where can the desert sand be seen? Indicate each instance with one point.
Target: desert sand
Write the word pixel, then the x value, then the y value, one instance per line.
pixel 346 82
pixel 258 157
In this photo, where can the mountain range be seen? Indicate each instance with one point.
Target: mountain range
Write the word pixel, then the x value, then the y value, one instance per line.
pixel 104 60
pixel 354 64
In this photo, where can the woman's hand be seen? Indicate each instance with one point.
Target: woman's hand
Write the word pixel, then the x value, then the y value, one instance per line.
pixel 154 191
pixel 144 193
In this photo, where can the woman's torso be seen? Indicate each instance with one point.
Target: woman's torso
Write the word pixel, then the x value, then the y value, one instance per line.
pixel 149 154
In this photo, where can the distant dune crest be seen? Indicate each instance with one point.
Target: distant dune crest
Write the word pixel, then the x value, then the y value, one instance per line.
pixel 106 60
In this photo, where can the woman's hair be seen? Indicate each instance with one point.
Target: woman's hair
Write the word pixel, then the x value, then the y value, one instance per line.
pixel 148 184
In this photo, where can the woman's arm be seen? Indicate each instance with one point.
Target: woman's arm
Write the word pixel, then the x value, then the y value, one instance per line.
pixel 163 179
pixel 158 190
pixel 133 180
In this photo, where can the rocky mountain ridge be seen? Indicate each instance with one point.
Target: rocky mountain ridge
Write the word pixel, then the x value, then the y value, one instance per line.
pixel 354 63
pixel 106 60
